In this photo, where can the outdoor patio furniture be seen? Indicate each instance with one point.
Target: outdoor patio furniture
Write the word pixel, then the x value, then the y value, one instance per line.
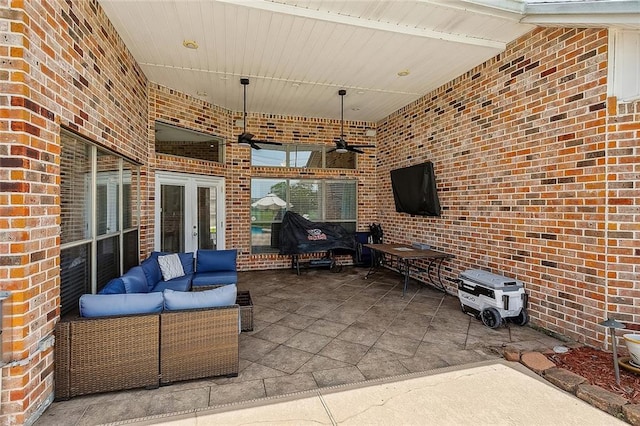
pixel 215 268
pixel 115 353
pixel 246 310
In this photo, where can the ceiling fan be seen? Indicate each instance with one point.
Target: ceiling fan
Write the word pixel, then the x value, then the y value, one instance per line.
pixel 341 145
pixel 246 138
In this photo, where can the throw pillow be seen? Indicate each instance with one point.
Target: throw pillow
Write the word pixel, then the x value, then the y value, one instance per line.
pixel 170 266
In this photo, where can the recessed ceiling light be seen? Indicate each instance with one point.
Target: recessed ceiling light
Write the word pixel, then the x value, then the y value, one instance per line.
pixel 295 84
pixel 224 77
pixel 201 93
pixel 403 73
pixel 190 44
pixel 360 92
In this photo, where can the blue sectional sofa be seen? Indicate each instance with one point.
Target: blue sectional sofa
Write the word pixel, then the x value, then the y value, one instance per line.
pixel 144 331
pixel 140 289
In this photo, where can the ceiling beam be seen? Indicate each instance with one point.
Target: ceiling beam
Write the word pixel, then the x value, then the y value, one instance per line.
pixel 326 16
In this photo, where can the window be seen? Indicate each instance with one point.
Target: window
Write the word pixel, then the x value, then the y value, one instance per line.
pixel 301 156
pixel 316 200
pixel 183 142
pixel 99 198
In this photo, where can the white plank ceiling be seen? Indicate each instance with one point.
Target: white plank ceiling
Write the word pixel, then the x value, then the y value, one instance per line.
pixel 298 54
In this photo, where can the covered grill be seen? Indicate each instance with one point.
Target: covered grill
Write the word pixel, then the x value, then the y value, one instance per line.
pixel 299 236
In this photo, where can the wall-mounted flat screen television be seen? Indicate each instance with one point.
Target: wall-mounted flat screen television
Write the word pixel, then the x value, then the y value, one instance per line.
pixel 414 190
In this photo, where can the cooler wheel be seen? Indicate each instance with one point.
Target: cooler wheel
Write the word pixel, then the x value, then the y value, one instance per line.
pixel 521 319
pixel 491 317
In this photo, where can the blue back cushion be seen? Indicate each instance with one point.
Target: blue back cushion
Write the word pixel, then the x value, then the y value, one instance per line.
pixel 221 296
pixel 187 262
pixel 152 270
pixel 115 286
pixel 103 305
pixel 135 280
pixel 216 260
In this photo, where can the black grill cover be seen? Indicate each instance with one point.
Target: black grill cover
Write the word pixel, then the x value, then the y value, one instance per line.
pixel 298 235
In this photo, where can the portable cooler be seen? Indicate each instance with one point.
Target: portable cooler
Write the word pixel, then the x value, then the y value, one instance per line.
pixel 492 298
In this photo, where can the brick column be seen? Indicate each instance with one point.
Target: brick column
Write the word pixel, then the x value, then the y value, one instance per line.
pixel 29 226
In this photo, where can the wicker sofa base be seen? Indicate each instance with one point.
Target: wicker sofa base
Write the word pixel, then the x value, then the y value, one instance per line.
pixel 243 299
pixel 94 355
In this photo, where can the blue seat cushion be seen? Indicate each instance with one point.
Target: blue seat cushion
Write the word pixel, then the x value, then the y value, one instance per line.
pixel 214 278
pixel 115 286
pixel 216 260
pixel 103 305
pixel 182 283
pixel 135 281
pixel 221 296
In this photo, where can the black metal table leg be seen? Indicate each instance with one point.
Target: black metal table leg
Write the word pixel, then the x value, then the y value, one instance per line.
pixel 439 284
pixel 374 264
pixel 406 276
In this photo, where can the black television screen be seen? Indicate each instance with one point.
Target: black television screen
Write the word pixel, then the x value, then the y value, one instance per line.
pixel 414 190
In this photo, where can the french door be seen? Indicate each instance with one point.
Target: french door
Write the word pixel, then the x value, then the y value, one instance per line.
pixel 189 212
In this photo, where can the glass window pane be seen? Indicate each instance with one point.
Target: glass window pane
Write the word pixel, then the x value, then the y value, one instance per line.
pixel 183 142
pixel 130 256
pixel 268 204
pixel 305 156
pixel 75 193
pixel 172 212
pixel 340 200
pixel 207 218
pixel 306 199
pixel 269 155
pixel 108 260
pixel 337 160
pixel 107 193
pixel 75 273
pixel 130 194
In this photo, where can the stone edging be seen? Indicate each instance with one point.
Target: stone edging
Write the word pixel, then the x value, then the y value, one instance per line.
pixel 568 381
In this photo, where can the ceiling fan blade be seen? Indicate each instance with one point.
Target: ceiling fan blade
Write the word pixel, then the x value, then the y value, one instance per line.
pixel 245 138
pixel 268 142
pixel 362 146
pixel 353 149
pixel 254 145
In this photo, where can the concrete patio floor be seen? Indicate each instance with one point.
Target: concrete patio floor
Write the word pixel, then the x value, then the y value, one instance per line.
pixel 318 330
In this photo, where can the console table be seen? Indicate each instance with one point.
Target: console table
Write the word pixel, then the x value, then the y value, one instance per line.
pixel 406 257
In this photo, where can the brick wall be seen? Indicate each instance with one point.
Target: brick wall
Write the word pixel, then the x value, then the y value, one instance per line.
pixel 520 147
pixel 61 63
pixel 623 212
pixel 183 110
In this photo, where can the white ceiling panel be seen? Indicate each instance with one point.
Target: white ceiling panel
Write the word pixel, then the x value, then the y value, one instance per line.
pixel 298 54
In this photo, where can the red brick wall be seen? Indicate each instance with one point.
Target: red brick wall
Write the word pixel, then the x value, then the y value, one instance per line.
pixel 623 212
pixel 520 147
pixel 61 63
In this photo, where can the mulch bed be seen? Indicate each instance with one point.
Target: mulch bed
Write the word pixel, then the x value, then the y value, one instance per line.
pixel 597 367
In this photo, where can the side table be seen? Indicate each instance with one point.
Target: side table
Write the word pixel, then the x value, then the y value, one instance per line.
pixel 246 310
